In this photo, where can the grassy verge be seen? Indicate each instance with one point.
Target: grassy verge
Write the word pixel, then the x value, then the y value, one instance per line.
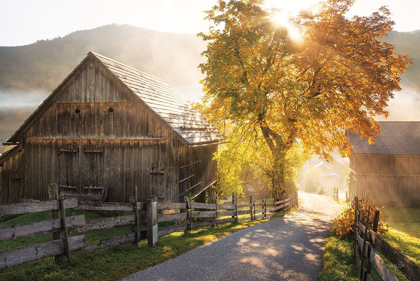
pixel 118 262
pixel 338 260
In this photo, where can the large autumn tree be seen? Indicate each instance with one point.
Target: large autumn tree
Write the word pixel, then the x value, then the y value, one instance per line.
pixel 338 77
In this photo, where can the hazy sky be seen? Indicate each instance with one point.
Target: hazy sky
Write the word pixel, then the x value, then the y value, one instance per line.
pixel 24 22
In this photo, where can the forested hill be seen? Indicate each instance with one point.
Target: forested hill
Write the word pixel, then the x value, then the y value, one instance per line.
pixel 172 57
pixel 43 65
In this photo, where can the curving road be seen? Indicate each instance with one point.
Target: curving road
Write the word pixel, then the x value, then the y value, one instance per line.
pixel 287 248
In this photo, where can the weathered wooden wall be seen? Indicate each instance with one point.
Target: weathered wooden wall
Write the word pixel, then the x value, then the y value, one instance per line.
pixel 96 133
pixel 388 179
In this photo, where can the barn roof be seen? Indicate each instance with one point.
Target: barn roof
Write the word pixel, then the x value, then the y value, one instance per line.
pixel 177 113
pixel 396 137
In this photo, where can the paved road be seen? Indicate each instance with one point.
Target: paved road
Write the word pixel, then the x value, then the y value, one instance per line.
pixel 287 248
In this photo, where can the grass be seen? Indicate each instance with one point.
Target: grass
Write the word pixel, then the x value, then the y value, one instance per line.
pixel 338 260
pixel 405 220
pixel 117 262
pixel 405 243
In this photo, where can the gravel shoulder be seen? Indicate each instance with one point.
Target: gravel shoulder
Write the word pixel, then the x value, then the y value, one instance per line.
pixel 286 248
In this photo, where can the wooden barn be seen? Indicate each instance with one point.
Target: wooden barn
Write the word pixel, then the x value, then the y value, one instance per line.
pixel 106 129
pixel 388 171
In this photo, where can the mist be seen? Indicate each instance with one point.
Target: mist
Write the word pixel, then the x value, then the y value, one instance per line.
pixel 404 106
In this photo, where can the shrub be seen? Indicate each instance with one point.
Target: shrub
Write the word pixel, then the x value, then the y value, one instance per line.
pixel 343 226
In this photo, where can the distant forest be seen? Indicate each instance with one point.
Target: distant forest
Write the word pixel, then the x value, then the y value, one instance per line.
pixel 41 66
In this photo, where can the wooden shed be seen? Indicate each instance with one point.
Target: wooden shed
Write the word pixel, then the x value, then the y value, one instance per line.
pixel 388 171
pixel 106 129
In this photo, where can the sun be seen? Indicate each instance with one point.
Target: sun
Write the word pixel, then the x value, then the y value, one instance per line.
pixel 282 19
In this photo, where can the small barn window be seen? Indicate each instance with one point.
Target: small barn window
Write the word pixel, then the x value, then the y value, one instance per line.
pixel 77 111
pixel 110 109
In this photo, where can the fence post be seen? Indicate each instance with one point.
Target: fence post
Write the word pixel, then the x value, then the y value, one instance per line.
pixel 133 201
pixel 375 229
pixel 189 215
pixel 53 195
pixel 217 217
pixel 376 221
pixel 363 272
pixel 236 207
pixel 64 224
pixel 152 221
pixel 250 207
pixel 253 210
pixel 265 208
pixel 356 209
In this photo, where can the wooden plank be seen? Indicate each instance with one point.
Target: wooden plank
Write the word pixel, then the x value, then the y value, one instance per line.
pixel 201 224
pixel 258 204
pixel 381 268
pixel 196 205
pixel 36 228
pixel 226 213
pixel 170 229
pixel 204 214
pixel 226 206
pixel 171 206
pixel 244 205
pixel 105 206
pixel 119 240
pixel 106 223
pixel 32 207
pixel 259 216
pixel 243 212
pixel 173 217
pixel 38 251
pixel 222 221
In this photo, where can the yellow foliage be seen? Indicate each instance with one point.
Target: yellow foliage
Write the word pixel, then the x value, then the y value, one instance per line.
pixel 343 226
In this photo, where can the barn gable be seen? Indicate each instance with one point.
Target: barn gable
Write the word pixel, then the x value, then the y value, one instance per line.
pixel 152 92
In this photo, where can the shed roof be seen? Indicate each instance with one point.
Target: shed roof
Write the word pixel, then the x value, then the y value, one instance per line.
pixel 396 137
pixel 177 113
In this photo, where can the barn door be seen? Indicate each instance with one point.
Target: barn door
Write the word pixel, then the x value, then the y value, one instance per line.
pixel 69 169
pixel 92 168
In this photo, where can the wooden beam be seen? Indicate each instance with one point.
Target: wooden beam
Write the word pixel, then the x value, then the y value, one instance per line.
pixel 37 228
pixel 32 207
pixel 38 251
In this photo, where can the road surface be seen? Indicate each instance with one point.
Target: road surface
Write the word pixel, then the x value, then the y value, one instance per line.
pixel 287 248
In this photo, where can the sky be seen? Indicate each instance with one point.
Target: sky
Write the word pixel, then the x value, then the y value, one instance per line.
pixel 23 22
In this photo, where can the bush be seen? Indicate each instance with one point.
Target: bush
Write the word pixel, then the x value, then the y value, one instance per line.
pixel 343 226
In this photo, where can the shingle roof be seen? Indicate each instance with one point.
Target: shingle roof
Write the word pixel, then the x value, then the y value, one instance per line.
pixel 395 138
pixel 162 99
pixel 158 96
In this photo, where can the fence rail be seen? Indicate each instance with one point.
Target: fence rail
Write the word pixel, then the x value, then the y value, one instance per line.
pixel 367 246
pixel 184 216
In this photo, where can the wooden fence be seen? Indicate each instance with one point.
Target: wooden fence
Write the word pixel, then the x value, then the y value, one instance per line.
pixel 330 192
pixel 368 244
pixel 184 216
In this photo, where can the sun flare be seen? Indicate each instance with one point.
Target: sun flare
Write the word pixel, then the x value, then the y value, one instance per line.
pixel 282 19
